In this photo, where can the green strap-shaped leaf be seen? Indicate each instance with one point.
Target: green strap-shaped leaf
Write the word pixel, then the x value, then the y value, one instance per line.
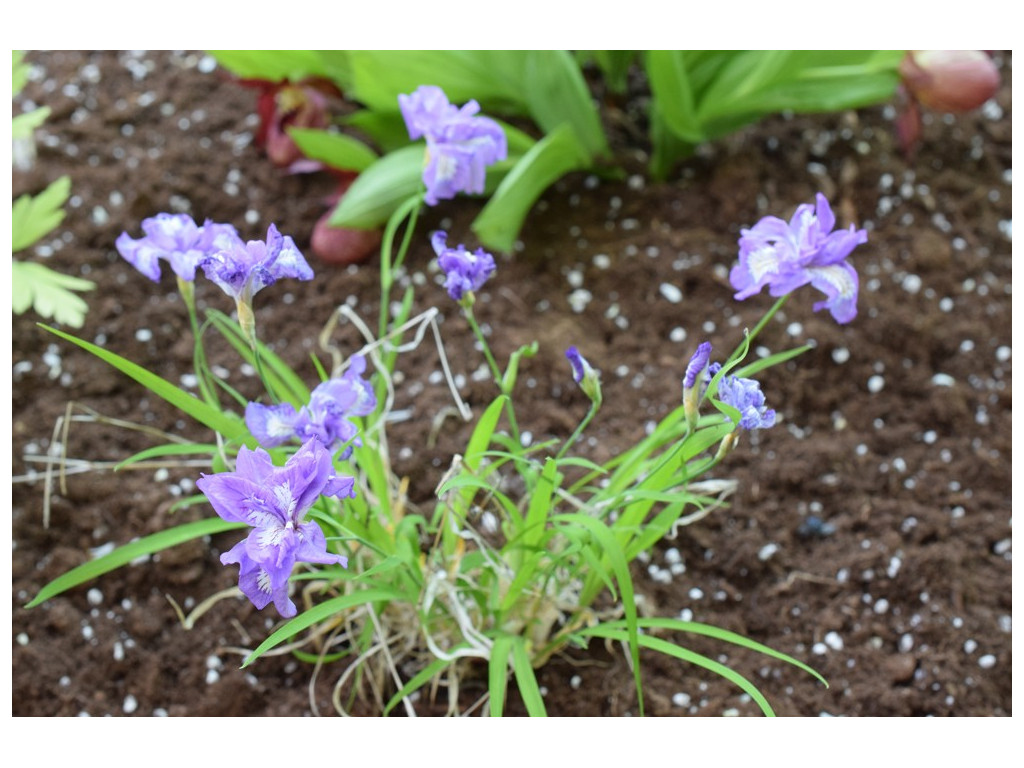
pixel 557 95
pixel 552 157
pixel 229 426
pixel 124 555
pixel 276 66
pixel 333 149
pixel 670 86
pixel 380 189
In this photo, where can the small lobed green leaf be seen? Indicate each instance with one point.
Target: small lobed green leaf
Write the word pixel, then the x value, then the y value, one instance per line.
pixel 34 217
pixel 49 293
pixel 23 124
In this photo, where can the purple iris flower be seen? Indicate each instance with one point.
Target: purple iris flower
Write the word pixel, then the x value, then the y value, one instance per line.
pixel 785 256
pixel 465 272
pixel 326 417
pixel 274 501
pixel 460 145
pixel 178 240
pixel 242 269
pixel 745 396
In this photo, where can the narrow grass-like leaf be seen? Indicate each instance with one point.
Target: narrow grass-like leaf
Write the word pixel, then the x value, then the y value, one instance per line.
pixel 421 678
pixel 283 379
pixel 526 680
pixel 231 427
pixel 125 554
pixel 684 654
pixel 320 613
pixel 772 360
pixel 620 567
pixel 497 673
pixel 707 630
pixel 171 449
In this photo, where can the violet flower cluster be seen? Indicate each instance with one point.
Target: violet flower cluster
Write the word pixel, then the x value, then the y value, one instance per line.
pixel 176 239
pixel 326 418
pixel 460 145
pixel 464 272
pixel 785 256
pixel 742 394
pixel 240 268
pixel 745 396
pixel 274 501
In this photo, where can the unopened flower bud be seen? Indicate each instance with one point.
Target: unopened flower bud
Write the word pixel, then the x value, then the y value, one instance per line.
pixel 584 375
pixel 950 81
pixel 695 382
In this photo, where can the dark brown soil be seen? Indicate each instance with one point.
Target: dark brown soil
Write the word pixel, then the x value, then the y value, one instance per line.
pixel 905 608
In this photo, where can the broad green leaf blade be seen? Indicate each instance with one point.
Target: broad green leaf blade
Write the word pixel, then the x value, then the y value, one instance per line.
pixel 231 427
pixel 493 78
pixel 335 150
pixel 49 293
pixel 124 555
pixel 551 158
pixel 670 86
pixel 380 189
pixel 557 95
pixel 320 613
pixel 526 680
pixel 34 217
pixel 497 673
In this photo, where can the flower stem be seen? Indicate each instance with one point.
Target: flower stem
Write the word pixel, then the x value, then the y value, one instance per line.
pixel 594 405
